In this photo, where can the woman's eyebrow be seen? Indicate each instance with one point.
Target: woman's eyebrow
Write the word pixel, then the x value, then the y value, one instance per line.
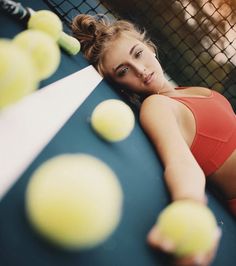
pixel 116 68
pixel 132 49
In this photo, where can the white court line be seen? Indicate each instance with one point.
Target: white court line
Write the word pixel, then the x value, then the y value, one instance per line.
pixel 27 126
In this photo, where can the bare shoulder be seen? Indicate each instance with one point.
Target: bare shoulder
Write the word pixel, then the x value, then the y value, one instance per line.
pixel 157 114
pixel 155 105
pixel 155 101
pixel 156 98
pixel 159 121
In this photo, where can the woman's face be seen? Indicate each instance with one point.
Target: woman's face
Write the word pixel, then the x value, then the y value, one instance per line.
pixel 133 64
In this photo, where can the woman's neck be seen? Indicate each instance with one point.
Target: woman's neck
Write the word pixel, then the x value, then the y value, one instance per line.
pixel 167 88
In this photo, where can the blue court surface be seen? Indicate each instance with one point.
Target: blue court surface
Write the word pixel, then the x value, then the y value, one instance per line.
pixel 134 161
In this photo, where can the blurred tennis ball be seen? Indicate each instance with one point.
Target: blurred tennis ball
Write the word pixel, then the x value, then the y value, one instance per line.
pixel 113 120
pixel 46 21
pixel 74 200
pixel 189 225
pixel 42 48
pixel 17 73
pixel 69 43
pixel 50 23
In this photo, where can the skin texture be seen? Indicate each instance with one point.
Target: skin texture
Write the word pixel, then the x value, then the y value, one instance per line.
pixel 134 66
pixel 130 70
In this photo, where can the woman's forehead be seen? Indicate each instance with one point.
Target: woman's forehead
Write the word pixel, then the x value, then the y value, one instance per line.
pixel 118 50
pixel 125 40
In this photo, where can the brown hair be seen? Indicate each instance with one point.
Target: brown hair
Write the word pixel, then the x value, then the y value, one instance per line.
pixel 96 32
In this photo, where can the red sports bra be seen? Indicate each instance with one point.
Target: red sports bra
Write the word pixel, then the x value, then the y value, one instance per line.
pixel 215 137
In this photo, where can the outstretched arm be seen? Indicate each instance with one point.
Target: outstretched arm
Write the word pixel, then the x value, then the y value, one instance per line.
pixel 183 176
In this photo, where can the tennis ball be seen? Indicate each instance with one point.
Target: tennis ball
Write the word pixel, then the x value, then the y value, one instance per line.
pixel 74 200
pixel 113 120
pixel 17 73
pixel 42 48
pixel 69 43
pixel 189 225
pixel 46 21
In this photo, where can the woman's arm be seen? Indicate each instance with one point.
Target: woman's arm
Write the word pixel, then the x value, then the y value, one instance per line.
pixel 183 176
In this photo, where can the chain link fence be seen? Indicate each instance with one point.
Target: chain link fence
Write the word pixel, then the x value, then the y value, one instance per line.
pixel 196 39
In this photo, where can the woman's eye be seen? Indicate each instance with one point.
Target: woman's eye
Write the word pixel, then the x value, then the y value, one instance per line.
pixel 122 72
pixel 138 54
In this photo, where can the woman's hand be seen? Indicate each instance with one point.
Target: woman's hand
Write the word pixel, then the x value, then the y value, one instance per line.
pixel 165 245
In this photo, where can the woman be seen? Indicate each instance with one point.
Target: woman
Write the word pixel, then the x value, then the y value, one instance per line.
pixel 193 129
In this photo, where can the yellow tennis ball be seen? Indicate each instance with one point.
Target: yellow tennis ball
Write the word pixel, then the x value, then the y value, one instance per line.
pixel 189 225
pixel 17 73
pixel 46 21
pixel 69 43
pixel 74 200
pixel 42 48
pixel 113 120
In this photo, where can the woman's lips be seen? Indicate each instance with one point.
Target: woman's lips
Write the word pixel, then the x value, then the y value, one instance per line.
pixel 149 78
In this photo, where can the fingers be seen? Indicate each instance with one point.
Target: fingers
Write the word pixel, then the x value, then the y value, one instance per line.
pixel 200 259
pixel 218 234
pixel 157 241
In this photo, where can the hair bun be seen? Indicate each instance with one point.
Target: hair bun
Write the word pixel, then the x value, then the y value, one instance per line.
pixel 96 33
pixel 103 19
pixel 83 27
pixel 87 29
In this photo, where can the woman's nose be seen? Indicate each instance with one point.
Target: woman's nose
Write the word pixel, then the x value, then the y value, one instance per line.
pixel 141 71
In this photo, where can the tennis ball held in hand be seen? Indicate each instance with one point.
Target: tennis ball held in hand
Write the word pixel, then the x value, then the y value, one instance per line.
pixel 189 225
pixel 113 120
pixel 17 73
pixel 74 201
